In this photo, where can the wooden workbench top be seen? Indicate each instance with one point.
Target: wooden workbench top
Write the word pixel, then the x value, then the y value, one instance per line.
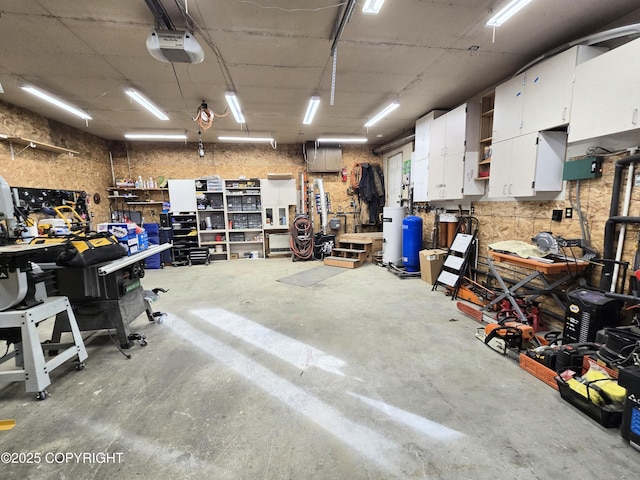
pixel 547 268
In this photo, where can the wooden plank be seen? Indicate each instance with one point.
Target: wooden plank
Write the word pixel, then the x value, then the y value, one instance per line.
pixel 347 250
pixel 543 267
pixel 42 145
pixel 342 262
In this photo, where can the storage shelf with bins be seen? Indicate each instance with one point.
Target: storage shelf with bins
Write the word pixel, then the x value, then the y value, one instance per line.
pixel 244 218
pixel 486 134
pixel 212 222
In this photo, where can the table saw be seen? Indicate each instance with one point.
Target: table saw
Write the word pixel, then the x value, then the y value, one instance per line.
pixel 106 296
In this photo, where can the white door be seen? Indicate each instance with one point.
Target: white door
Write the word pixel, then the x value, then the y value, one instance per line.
pixel 393 180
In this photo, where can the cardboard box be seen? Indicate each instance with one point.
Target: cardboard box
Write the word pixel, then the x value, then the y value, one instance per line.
pixel 143 241
pixel 131 245
pixel 431 263
pixel 122 231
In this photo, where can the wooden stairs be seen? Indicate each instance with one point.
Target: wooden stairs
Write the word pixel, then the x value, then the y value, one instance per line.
pixel 349 253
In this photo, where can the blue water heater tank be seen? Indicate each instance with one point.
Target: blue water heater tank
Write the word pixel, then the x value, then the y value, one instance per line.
pixel 411 243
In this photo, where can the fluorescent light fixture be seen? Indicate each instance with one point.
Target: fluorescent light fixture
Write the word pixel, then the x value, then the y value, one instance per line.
pixel 341 140
pixel 372 6
pixel 388 109
pixel 155 136
pixel 246 139
pixel 146 103
pixel 507 12
pixel 48 97
pixel 234 105
pixel 314 102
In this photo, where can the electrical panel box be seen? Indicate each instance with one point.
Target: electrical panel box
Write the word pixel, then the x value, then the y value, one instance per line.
pixel 584 168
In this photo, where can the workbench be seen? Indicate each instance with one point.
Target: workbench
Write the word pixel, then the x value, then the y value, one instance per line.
pixel 569 268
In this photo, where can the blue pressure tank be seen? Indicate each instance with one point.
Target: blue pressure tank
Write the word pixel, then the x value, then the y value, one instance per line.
pixel 411 243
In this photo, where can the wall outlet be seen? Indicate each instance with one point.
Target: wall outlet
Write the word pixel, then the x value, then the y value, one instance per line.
pixel 568 212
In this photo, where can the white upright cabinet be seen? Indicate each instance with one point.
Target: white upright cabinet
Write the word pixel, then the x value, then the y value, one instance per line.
pixel 277 197
pixel 606 94
pixel 527 164
pixel 450 135
pixel 420 157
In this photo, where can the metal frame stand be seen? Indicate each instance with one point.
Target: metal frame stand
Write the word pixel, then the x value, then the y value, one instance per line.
pixel 33 369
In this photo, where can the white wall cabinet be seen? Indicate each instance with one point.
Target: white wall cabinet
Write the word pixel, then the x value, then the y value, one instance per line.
pixel 606 94
pixel 450 135
pixel 541 97
pixel 420 157
pixel 277 197
pixel 527 164
pixel 279 192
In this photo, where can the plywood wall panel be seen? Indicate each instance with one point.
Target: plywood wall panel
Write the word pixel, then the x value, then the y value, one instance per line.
pixel 35 168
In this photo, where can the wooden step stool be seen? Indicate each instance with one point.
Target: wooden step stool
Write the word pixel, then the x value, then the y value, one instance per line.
pixel 349 254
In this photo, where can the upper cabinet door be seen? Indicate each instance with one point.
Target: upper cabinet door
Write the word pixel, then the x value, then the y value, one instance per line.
pixel 606 97
pixel 549 89
pixel 456 130
pixel 509 104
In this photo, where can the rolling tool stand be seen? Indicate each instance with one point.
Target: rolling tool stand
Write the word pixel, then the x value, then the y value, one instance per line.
pixel 24 305
pixel 109 296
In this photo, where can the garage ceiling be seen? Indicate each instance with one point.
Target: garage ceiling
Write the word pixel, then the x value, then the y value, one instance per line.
pixel 276 54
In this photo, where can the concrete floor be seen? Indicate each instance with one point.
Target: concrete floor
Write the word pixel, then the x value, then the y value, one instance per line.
pixel 361 376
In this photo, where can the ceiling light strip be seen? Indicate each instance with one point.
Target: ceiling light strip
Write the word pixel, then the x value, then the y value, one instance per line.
pixel 48 97
pixel 155 136
pixel 234 105
pixel 341 140
pixel 246 139
pixel 146 103
pixel 507 12
pixel 372 6
pixel 380 115
pixel 334 68
pixel 312 108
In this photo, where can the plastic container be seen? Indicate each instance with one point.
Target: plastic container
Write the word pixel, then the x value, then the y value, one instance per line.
pixel 411 243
